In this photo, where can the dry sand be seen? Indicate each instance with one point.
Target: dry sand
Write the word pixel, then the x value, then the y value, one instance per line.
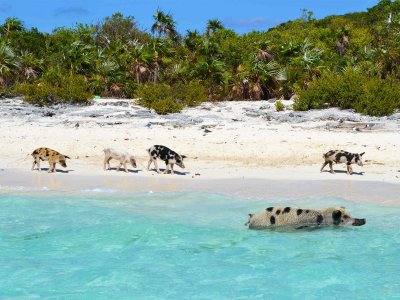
pixel 238 146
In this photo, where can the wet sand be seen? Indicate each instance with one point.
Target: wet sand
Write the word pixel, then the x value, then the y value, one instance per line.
pixel 15 181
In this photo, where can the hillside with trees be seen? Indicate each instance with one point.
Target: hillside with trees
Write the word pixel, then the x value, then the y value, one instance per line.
pixel 349 61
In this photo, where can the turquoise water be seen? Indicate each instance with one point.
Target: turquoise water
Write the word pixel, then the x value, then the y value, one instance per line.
pixel 189 246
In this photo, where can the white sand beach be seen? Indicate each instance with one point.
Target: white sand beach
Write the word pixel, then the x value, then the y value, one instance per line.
pixel 227 140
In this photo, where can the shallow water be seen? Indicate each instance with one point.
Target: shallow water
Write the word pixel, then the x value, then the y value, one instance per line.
pixel 189 245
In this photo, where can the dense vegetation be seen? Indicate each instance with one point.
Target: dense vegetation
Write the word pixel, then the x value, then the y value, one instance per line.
pixel 349 61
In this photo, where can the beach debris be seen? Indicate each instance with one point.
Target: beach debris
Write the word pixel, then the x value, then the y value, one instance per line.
pixel 76 125
pixel 266 106
pixel 49 114
pixel 208 126
pixel 207 130
pixel 206 106
pixel 94 115
pixel 197 174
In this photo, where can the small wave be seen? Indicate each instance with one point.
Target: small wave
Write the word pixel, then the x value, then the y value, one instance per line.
pixel 23 188
pixel 100 190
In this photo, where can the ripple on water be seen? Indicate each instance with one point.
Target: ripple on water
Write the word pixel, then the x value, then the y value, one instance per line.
pixel 188 245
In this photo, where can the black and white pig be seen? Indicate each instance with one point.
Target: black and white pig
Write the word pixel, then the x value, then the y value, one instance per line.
pixel 299 218
pixel 340 156
pixel 169 156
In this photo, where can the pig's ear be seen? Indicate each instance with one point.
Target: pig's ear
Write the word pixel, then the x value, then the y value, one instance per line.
pixel 67 157
pixel 251 215
pixel 361 154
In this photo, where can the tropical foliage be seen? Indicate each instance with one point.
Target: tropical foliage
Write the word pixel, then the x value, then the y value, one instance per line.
pixel 349 61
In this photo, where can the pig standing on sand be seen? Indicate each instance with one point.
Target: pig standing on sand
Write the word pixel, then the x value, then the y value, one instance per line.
pixel 123 157
pixel 169 156
pixel 340 156
pixel 50 155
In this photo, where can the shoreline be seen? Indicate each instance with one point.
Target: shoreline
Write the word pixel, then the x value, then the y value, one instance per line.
pixel 20 182
pixel 231 147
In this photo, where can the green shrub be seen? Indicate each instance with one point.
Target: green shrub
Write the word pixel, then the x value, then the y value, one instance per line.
pixel 351 89
pixel 279 106
pixel 73 89
pixel 380 97
pixel 69 89
pixel 320 91
pixel 41 94
pixel 159 97
pixel 331 90
pixel 5 92
pixel 193 93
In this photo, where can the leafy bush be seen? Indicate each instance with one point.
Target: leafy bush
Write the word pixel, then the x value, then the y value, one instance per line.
pixel 351 89
pixel 279 106
pixel 331 90
pixel 70 89
pixel 73 89
pixel 41 94
pixel 5 92
pixel 380 97
pixel 159 97
pixel 193 93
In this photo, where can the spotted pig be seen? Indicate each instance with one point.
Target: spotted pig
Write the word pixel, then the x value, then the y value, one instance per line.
pixel 340 156
pixel 50 155
pixel 301 218
pixel 167 155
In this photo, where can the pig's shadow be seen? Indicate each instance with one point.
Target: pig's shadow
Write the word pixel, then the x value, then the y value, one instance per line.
pixel 123 170
pixel 57 170
pixel 175 172
pixel 344 172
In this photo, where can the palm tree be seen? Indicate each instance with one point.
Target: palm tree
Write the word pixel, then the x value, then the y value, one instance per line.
pixel 160 50
pixel 212 72
pixel 192 40
pixel 9 63
pixel 263 52
pixel 79 57
pixel 105 68
pixel 29 66
pixel 209 48
pixel 263 77
pixel 164 24
pixel 11 25
pixel 342 42
pixel 304 56
pixel 141 58
pixel 212 26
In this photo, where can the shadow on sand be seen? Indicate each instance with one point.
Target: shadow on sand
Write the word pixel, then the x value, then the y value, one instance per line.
pixel 57 170
pixel 175 172
pixel 344 172
pixel 123 170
